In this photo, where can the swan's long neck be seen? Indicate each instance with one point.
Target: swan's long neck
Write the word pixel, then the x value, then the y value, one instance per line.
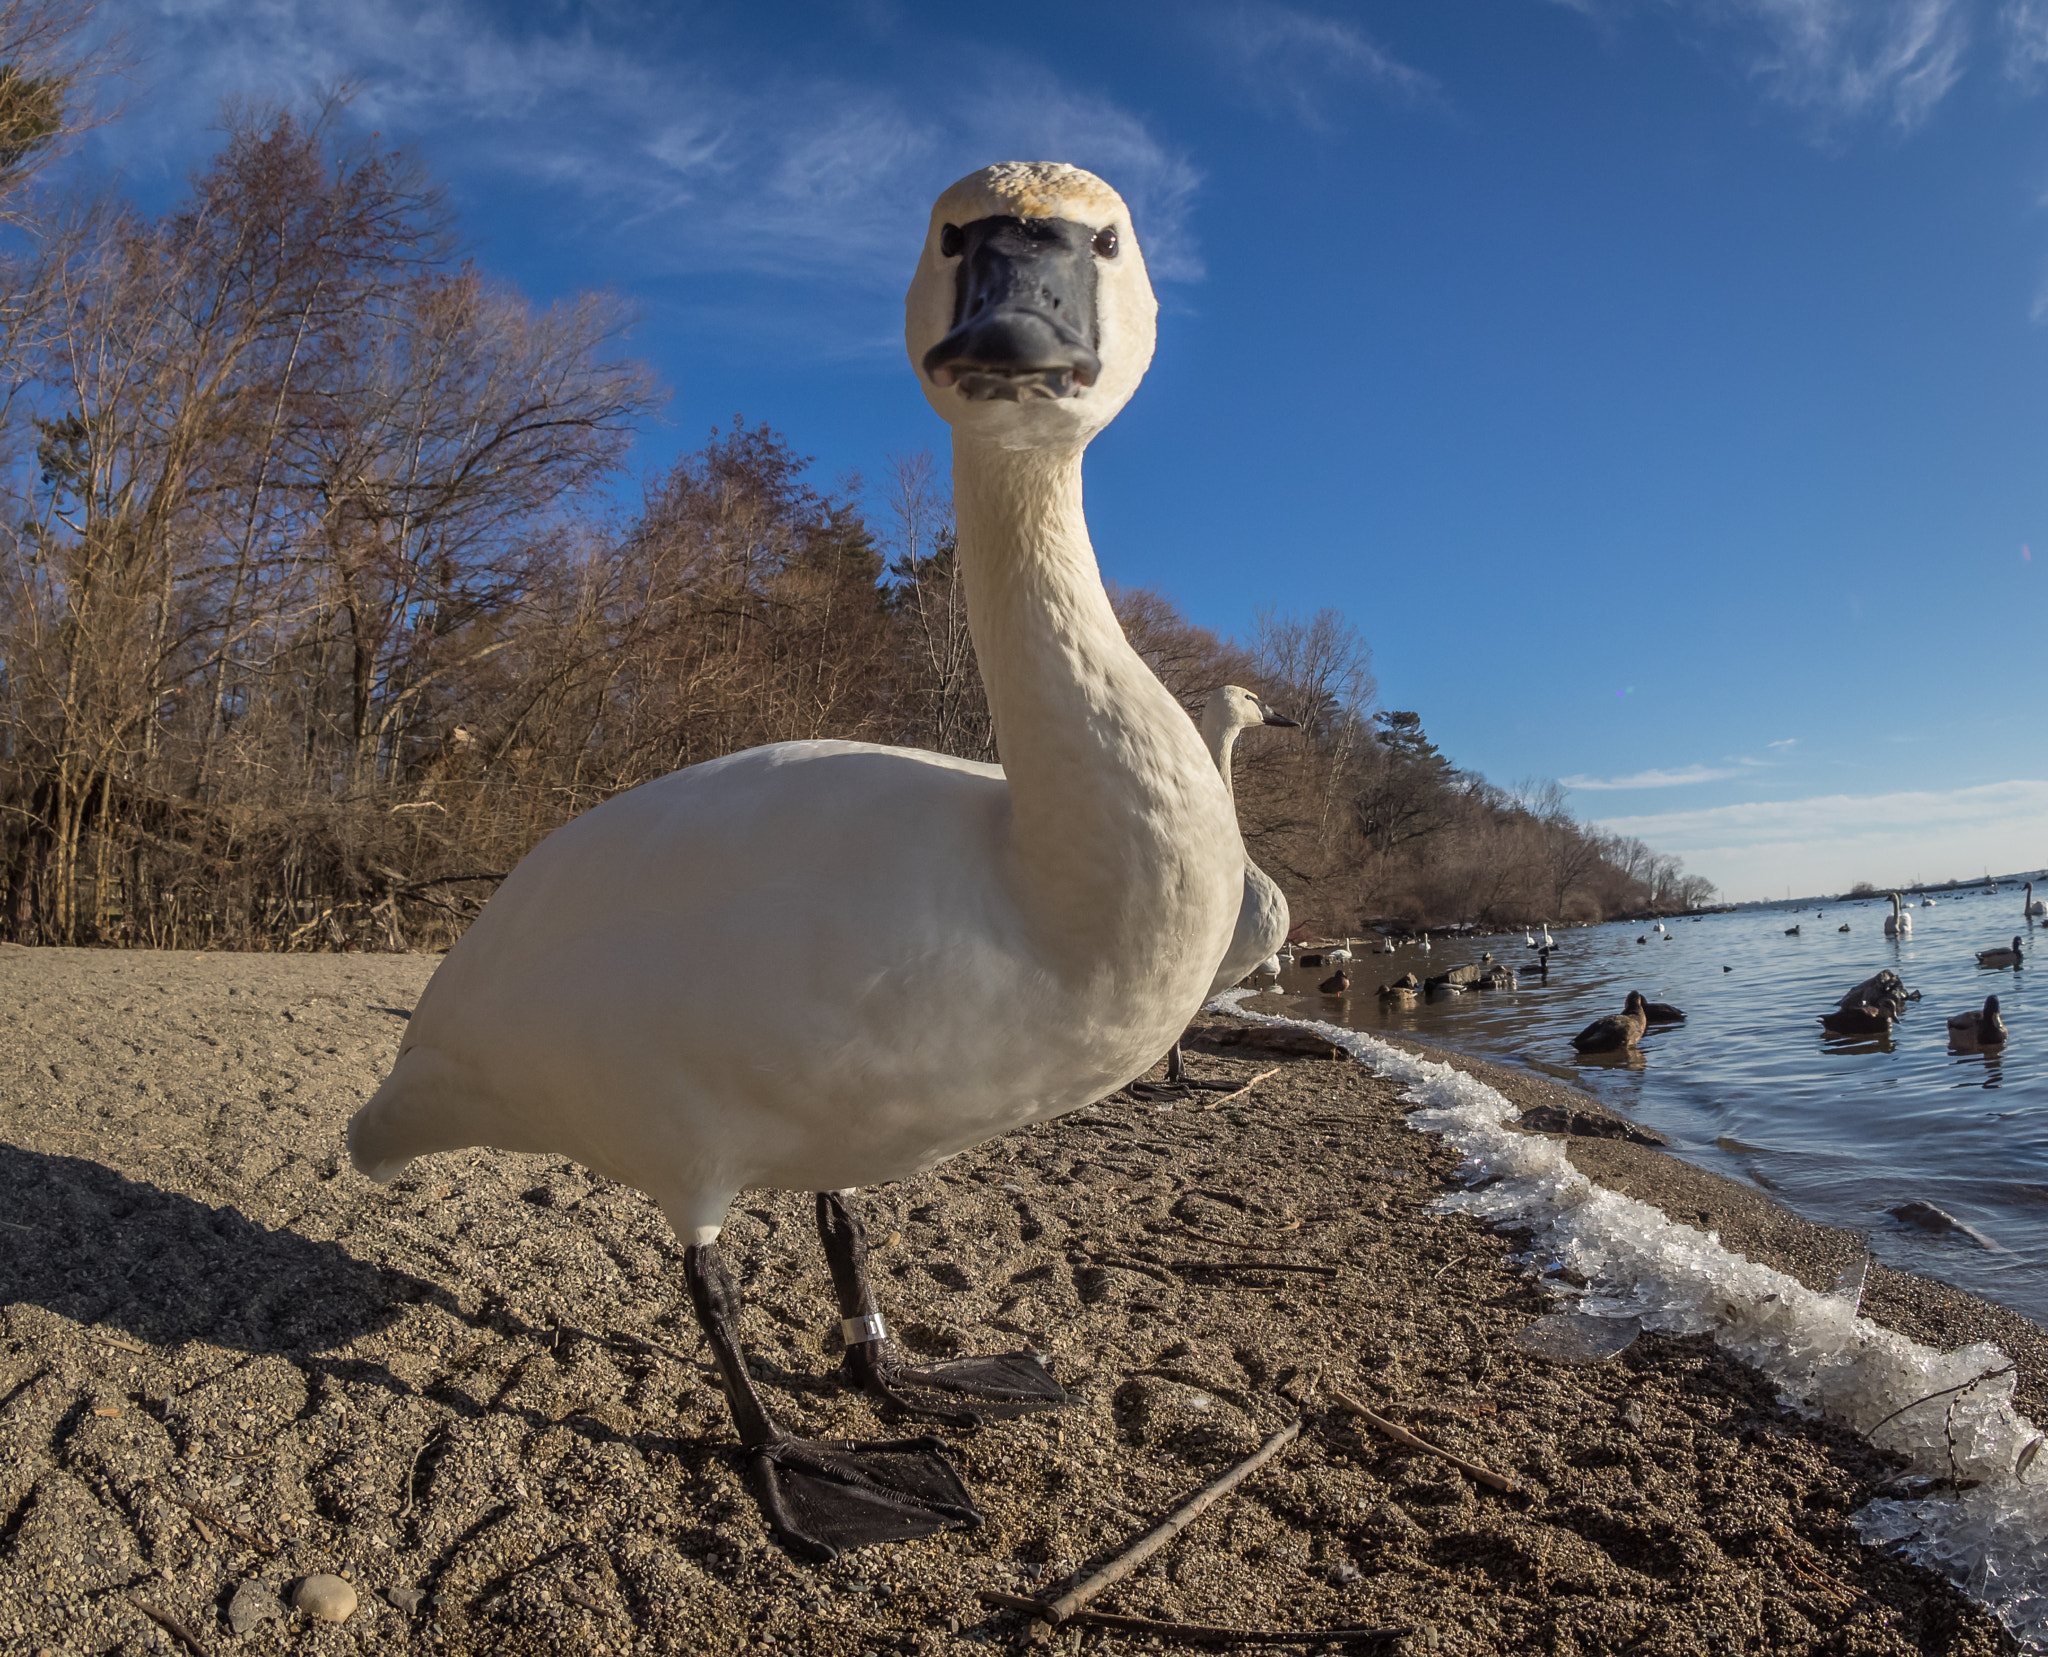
pixel 1221 736
pixel 1120 825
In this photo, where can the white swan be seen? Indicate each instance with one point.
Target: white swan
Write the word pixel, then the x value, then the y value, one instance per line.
pixel 1543 936
pixel 1898 923
pixel 1262 916
pixel 949 939
pixel 1425 943
pixel 2034 908
pixel 1341 954
pixel 1528 937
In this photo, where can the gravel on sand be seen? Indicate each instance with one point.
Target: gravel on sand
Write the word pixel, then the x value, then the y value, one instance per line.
pixel 478 1397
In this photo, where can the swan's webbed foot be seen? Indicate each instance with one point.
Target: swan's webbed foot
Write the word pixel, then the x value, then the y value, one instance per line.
pixel 1178 1084
pixel 961 1392
pixel 825 1498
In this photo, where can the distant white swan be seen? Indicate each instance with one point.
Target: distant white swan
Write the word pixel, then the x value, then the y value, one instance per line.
pixel 2035 908
pixel 1544 938
pixel 1898 923
pixel 1342 953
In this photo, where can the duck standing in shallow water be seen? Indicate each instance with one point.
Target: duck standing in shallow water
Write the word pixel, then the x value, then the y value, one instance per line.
pixel 2001 957
pixel 960 932
pixel 1975 1032
pixel 1617 1032
pixel 1338 983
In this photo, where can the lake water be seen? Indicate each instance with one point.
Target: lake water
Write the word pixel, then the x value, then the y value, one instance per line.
pixel 1841 1131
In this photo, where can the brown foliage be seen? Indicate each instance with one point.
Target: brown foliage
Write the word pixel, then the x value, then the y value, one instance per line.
pixel 309 629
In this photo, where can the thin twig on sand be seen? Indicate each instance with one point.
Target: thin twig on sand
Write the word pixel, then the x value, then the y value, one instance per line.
pixel 199 1510
pixel 1251 1266
pixel 172 1626
pixel 1196 1633
pixel 1063 1608
pixel 1401 1435
pixel 1928 1398
pixel 1216 1104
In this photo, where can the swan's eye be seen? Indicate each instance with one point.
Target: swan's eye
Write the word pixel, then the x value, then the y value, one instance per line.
pixel 951 241
pixel 1105 242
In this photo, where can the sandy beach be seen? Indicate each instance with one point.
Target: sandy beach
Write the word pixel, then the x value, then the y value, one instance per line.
pixel 478 1394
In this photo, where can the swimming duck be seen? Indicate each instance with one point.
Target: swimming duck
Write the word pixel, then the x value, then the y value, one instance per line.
pixel 1791 931
pixel 1617 1032
pixel 1857 1021
pixel 1662 1012
pixel 964 928
pixel 2001 957
pixel 1397 995
pixel 1885 989
pixel 1973 1032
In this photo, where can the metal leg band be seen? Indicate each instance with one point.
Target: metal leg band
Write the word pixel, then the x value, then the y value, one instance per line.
pixel 864 1329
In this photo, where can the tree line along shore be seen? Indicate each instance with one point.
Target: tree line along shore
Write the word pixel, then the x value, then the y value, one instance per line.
pixel 319 608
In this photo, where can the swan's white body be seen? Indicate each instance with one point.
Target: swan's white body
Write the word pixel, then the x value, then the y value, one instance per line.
pixel 1898 923
pixel 1262 915
pixel 950 942
pixel 1341 954
pixel 2034 907
pixel 1528 937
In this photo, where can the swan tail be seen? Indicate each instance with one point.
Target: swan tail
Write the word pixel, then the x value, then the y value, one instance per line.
pixel 416 1112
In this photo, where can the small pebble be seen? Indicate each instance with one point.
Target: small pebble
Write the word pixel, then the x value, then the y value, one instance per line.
pixel 1343 1574
pixel 407 1600
pixel 325 1598
pixel 253 1603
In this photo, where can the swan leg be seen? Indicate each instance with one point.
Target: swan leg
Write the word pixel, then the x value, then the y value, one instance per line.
pixel 822 1498
pixel 963 1392
pixel 1178 1082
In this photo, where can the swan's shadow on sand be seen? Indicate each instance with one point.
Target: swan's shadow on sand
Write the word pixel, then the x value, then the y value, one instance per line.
pixel 101 1249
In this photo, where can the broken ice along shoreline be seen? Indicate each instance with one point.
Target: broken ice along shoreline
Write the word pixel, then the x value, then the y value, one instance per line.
pixel 1950 1415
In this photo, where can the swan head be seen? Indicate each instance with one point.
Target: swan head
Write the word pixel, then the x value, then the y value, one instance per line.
pixel 1030 320
pixel 1233 708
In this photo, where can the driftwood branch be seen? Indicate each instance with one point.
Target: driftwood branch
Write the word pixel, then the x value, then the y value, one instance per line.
pixel 1064 1608
pixel 1196 1633
pixel 1401 1435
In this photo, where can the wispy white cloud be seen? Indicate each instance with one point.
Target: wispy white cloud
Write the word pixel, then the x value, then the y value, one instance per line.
pixel 2023 32
pixel 1839 61
pixel 1846 59
pixel 1826 842
pixel 1678 777
pixel 1783 742
pixel 1303 62
pixel 713 162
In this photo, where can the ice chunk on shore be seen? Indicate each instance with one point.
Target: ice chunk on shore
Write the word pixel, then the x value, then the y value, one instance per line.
pixel 1950 1415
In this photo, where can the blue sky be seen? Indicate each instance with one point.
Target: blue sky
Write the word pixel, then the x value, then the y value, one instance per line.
pixel 1661 386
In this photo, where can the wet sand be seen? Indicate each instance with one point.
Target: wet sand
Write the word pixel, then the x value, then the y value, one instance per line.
pixel 225 1357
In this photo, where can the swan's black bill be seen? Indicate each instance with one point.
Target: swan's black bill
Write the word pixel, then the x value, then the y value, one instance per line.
pixel 1024 322
pixel 1282 719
